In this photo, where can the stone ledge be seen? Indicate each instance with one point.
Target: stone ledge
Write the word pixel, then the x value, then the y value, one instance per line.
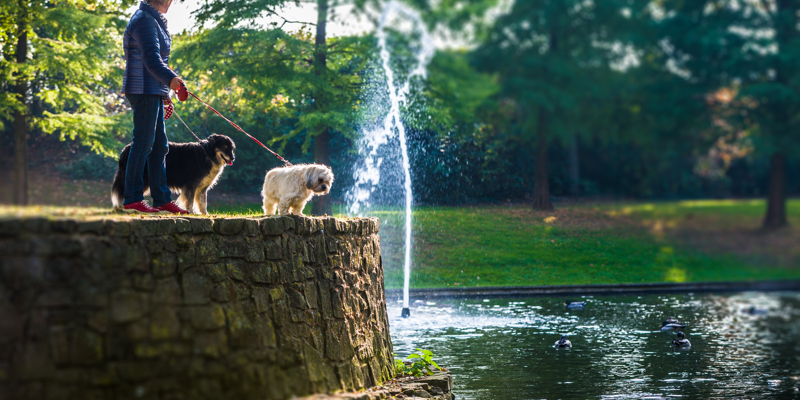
pixel 144 226
pixel 438 386
pixel 190 308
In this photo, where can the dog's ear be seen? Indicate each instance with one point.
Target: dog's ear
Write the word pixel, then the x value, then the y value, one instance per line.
pixel 311 179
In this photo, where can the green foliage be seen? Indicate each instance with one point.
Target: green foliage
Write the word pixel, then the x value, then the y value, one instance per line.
pixel 418 364
pixel 72 71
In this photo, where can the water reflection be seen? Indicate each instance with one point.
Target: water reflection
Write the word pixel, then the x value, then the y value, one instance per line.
pixel 503 349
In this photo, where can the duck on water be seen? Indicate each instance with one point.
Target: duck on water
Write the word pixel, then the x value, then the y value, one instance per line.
pixel 681 341
pixel 575 304
pixel 672 324
pixel 563 343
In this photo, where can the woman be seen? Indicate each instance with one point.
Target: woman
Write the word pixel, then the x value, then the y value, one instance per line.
pixel 146 86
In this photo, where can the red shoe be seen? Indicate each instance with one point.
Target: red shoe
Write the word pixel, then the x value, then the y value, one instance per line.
pixel 139 207
pixel 171 208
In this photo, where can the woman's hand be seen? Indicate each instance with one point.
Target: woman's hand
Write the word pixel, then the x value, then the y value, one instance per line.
pixel 176 83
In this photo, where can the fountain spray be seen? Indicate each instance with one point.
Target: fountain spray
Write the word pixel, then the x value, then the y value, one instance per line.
pixel 369 174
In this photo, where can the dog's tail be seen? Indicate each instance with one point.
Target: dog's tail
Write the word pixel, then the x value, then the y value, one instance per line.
pixel 118 187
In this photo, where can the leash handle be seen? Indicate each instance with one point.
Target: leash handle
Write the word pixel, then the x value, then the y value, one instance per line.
pixel 183 89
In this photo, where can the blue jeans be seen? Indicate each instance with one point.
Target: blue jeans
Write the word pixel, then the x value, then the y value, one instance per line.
pixel 149 150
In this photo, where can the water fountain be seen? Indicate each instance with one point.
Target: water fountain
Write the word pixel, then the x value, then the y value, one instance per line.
pixel 367 176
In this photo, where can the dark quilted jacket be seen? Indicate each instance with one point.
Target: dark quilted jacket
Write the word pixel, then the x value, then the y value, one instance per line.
pixel 147 44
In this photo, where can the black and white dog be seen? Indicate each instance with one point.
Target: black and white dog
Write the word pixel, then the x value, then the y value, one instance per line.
pixel 192 169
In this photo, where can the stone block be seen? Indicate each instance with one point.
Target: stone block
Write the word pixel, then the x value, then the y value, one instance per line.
pixel 338 345
pixel 340 307
pixel 144 227
pixel 11 227
pixel 127 306
pixel 185 259
pixel 241 332
pixel 242 292
pixel 301 224
pixel 271 226
pixel 68 247
pixel 39 225
pixel 154 245
pixel 317 225
pixel 274 249
pixel 261 299
pixel 64 225
pixel 210 344
pixel 228 226
pixel 254 251
pixel 292 272
pixel 144 282
pixel 164 324
pixel 217 272
pixel 310 294
pixel 117 228
pixel 55 297
pixel 183 225
pixel 288 223
pixel 250 227
pixel 16 247
pixel 33 362
pixel 314 363
pixel 136 258
pixel 207 251
pixel 164 265
pixel 234 270
pixel 167 292
pixel 280 313
pixel 266 272
pixel 325 299
pixel 296 299
pixel 234 248
pixel 161 351
pixel 202 225
pixel 195 287
pixel 165 227
pixel 441 380
pixel 223 292
pixel 89 295
pixel 207 317
pixel 332 244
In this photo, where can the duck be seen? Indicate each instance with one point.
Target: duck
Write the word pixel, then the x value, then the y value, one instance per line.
pixel 563 343
pixel 671 324
pixel 754 311
pixel 681 341
pixel 575 304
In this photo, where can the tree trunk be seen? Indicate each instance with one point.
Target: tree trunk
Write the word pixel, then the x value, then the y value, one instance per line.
pixel 20 125
pixel 574 167
pixel 776 197
pixel 322 142
pixel 541 184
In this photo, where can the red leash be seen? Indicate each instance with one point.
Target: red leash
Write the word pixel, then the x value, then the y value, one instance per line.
pixel 183 94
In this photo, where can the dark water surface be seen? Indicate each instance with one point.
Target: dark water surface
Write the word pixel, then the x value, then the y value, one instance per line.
pixel 503 348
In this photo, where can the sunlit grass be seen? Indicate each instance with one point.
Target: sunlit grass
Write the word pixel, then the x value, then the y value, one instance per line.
pixel 739 208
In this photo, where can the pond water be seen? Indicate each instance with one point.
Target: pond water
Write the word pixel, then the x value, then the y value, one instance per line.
pixel 503 348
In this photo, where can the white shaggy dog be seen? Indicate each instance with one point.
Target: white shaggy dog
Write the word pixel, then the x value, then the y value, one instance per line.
pixel 290 188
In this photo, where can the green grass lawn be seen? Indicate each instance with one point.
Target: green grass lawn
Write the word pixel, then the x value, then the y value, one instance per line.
pixel 578 244
pixel 502 246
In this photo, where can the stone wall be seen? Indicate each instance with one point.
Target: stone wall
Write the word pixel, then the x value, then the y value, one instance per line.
pixel 190 308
